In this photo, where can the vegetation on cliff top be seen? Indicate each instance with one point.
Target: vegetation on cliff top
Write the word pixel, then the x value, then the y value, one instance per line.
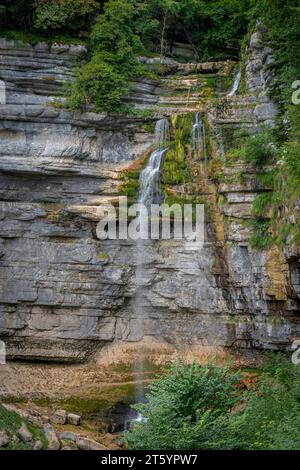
pixel 277 219
pixel 118 31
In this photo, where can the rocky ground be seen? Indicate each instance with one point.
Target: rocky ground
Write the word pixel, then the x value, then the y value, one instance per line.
pixel 73 407
pixel 28 427
pixel 82 407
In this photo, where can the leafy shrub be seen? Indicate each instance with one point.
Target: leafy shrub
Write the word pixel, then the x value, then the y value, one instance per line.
pixel 193 407
pixel 270 416
pixel 104 79
pixel 259 148
pixel 99 84
pixel 64 14
pixel 291 153
pixel 186 409
pixel 262 204
pixel 261 237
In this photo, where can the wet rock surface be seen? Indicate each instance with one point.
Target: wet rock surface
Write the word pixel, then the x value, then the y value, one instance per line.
pixel 66 296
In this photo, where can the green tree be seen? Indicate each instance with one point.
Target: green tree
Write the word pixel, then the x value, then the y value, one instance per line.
pixel 114 47
pixel 213 28
pixel 193 407
pixel 64 15
pixel 98 84
pixel 186 409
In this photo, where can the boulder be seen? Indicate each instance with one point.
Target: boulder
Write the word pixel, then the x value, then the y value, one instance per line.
pixel 88 444
pixel 24 434
pixel 38 445
pixel 73 419
pixel 4 439
pixel 53 442
pixel 68 445
pixel 68 436
pixel 59 417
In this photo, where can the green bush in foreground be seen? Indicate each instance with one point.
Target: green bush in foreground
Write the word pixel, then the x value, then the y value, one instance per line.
pixel 194 407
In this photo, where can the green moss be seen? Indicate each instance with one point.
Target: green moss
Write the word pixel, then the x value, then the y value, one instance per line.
pixel 275 320
pixel 176 168
pixel 130 186
pixel 107 399
pixel 261 237
pixel 182 199
pixel 215 169
pixel 56 104
pixel 262 204
pixel 48 78
pixel 267 179
pixel 211 81
pixel 284 231
pixel 149 127
pixel 103 256
pixel 53 206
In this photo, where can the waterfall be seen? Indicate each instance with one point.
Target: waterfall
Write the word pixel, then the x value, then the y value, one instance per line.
pixel 149 193
pixel 236 84
pixel 150 190
pixel 199 141
pixel 162 133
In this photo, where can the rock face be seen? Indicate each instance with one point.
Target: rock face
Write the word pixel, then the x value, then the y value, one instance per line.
pixel 88 444
pixel 259 75
pixel 4 439
pixel 24 434
pixel 33 74
pixel 67 296
pixel 53 442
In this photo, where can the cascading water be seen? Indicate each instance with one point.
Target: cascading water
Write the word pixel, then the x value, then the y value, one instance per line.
pixel 199 143
pixel 236 84
pixel 149 193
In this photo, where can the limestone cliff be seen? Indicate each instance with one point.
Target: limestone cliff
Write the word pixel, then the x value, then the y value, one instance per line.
pixel 67 296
